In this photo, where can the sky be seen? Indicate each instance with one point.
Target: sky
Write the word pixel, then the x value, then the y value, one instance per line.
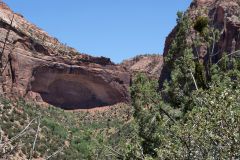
pixel 117 29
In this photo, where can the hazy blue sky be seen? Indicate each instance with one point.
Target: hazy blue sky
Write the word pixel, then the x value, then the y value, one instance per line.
pixel 118 29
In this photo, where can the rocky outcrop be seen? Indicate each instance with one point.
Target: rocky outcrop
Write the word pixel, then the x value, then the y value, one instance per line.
pixel 38 67
pixel 148 64
pixel 224 16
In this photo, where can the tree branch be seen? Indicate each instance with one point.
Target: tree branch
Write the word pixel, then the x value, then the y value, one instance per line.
pixel 5 42
pixel 55 153
pixel 18 135
pixel 35 140
pixel 194 80
pixel 238 51
pixel 163 111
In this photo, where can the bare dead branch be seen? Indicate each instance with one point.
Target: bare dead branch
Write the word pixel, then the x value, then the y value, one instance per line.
pixel 35 140
pixel 1 136
pixel 5 42
pixel 194 80
pixel 114 151
pixel 238 51
pixel 55 153
pixel 214 42
pixel 18 135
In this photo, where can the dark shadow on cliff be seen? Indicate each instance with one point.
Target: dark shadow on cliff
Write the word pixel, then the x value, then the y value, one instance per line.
pixel 73 90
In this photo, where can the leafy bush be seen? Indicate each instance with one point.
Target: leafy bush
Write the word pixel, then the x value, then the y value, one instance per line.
pixel 197 114
pixel 201 23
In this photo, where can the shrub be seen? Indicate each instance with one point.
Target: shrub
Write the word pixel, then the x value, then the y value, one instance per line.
pixel 201 23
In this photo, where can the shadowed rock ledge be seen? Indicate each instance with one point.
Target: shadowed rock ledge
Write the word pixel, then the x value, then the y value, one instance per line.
pixel 39 68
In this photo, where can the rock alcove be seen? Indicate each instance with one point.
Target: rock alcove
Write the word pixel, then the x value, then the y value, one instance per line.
pixel 73 89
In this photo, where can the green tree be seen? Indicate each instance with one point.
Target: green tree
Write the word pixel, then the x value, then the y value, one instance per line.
pixel 197 114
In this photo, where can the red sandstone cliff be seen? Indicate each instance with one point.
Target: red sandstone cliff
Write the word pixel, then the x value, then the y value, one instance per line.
pixel 224 16
pixel 38 67
pixel 148 64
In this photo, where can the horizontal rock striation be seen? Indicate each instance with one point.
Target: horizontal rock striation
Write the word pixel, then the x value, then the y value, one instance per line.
pixel 37 67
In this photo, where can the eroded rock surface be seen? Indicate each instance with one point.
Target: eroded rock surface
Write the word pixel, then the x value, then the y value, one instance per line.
pixel 38 67
pixel 148 64
pixel 224 15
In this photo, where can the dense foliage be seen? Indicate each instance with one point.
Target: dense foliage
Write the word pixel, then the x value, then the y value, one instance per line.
pixel 200 24
pixel 197 114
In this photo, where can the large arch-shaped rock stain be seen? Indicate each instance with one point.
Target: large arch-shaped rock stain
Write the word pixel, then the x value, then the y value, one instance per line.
pixel 74 89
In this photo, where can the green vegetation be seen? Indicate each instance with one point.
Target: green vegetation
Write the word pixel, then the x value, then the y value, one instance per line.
pixel 201 24
pixel 195 116
pixel 79 135
pixel 209 131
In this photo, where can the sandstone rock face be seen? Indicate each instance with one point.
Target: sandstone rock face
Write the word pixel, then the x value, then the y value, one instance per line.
pixel 38 67
pixel 225 16
pixel 149 64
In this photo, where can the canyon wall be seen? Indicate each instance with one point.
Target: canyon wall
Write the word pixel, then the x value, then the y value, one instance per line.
pixel 37 67
pixel 224 16
pixel 150 65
